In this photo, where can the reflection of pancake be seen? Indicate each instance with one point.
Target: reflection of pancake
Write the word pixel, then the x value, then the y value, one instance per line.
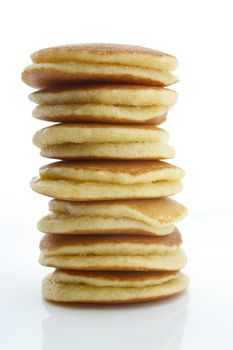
pixel 74 141
pixel 113 252
pixel 145 216
pixel 99 63
pixel 106 180
pixel 104 103
pixel 160 325
pixel 70 289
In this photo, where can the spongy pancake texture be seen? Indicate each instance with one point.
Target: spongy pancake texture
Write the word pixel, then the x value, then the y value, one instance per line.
pixel 107 180
pixel 111 95
pixel 98 133
pixel 44 75
pixel 146 216
pixel 131 150
pixel 119 172
pixel 171 261
pixel 91 191
pixel 114 278
pixel 104 103
pixel 99 63
pixel 71 292
pixel 75 141
pixel 108 53
pixel 101 113
pixel 53 245
pixel 112 252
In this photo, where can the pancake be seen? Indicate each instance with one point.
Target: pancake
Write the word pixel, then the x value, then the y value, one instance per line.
pixel 145 216
pixel 101 113
pixel 73 64
pixel 98 133
pixel 113 252
pixel 55 245
pixel 132 150
pixel 102 94
pixel 106 180
pixel 172 261
pixel 75 141
pixel 104 103
pixel 107 53
pixel 57 290
pixel 114 278
pixel 44 75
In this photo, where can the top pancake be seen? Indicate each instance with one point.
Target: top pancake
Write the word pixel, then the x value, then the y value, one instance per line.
pixel 107 53
pixel 67 65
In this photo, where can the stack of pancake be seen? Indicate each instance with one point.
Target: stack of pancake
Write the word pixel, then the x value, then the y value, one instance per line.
pixel 110 233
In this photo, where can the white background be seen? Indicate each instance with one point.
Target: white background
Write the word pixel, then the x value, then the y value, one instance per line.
pixel 199 33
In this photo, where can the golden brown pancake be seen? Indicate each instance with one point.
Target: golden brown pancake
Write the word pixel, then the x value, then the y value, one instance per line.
pixel 122 150
pixel 114 278
pixel 98 133
pixel 73 64
pixel 92 113
pixel 103 94
pixel 103 141
pixel 51 75
pixel 53 245
pixel 113 252
pixel 107 53
pixel 172 261
pixel 144 216
pixel 107 180
pixel 104 103
pixel 54 289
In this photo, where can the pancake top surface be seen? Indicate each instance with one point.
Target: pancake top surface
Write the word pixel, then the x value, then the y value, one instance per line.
pixel 114 278
pixel 52 242
pixel 72 64
pixel 111 171
pixel 117 166
pixel 107 53
pixel 161 210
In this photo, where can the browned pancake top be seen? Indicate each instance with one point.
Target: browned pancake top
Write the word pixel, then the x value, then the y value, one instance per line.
pixel 52 241
pixel 163 209
pixel 118 166
pixel 97 48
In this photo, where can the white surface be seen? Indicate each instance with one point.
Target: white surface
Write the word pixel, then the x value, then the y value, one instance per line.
pixel 200 34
